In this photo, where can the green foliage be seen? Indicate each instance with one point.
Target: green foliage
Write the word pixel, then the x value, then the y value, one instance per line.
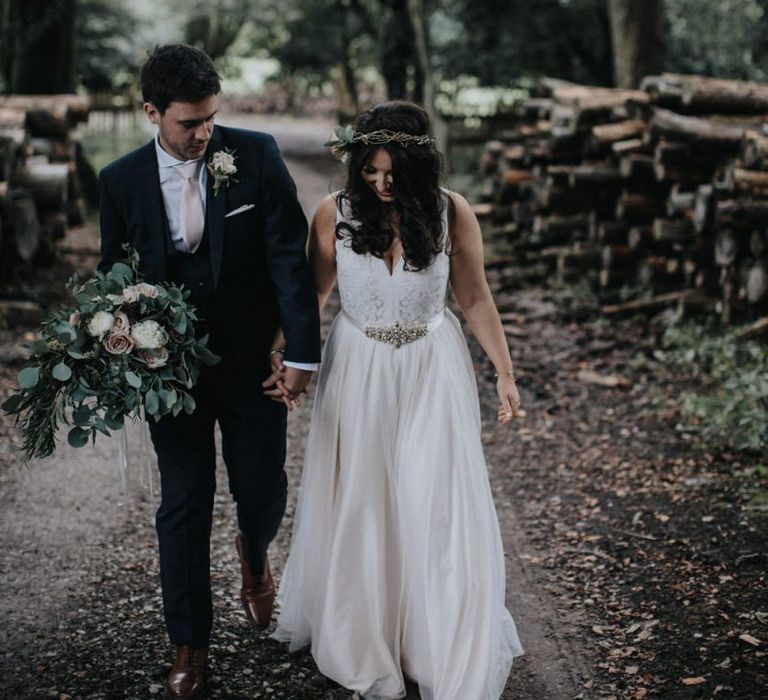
pixel 731 404
pixel 311 37
pixel 500 41
pixel 496 42
pixel 125 349
pixel 108 52
pixel 724 38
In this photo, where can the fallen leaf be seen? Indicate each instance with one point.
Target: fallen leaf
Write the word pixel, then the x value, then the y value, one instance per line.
pixel 749 639
pixel 697 680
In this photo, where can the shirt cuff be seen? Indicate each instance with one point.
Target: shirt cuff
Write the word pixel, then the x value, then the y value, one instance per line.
pixel 308 366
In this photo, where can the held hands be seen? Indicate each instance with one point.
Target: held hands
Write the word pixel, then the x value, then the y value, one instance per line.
pixel 509 399
pixel 286 384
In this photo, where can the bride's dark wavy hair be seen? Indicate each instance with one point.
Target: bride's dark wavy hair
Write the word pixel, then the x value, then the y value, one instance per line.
pixel 416 178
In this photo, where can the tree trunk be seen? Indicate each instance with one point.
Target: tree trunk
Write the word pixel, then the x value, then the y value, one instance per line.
pixel 6 44
pixel 44 47
pixel 397 49
pixel 347 97
pixel 421 41
pixel 636 31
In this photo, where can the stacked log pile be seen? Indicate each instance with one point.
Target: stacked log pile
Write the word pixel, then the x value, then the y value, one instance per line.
pixel 42 173
pixel 661 190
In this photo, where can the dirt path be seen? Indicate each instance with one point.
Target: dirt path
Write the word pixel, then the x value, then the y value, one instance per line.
pixel 580 518
pixel 78 571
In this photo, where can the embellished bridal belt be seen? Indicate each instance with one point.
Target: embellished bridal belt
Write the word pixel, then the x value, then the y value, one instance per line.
pixel 399 333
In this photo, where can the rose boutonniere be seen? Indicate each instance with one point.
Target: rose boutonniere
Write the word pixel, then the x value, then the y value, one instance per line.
pixel 221 166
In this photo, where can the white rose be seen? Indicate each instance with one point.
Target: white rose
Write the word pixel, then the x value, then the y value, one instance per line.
pixel 121 324
pixel 224 163
pixel 149 335
pixel 100 324
pixel 146 290
pixel 116 299
pixel 130 295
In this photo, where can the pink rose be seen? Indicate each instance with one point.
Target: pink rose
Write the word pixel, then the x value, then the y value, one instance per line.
pixel 131 294
pixel 154 358
pixel 118 343
pixel 74 319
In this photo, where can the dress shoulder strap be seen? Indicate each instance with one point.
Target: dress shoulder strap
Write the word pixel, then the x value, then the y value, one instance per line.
pixel 446 219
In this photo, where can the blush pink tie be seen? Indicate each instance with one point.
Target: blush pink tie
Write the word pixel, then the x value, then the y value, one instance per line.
pixel 192 217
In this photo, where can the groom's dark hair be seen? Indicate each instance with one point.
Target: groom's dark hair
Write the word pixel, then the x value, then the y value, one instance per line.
pixel 178 73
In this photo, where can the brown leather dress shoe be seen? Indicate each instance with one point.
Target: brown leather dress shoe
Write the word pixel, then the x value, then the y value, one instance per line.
pixel 187 677
pixel 257 594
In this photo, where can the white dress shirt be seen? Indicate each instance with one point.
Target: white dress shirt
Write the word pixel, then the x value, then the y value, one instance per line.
pixel 171 183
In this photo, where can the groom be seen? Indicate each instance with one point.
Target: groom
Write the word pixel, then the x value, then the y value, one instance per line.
pixel 235 238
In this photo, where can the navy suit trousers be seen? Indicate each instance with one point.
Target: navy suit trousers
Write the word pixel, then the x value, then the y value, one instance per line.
pixel 253 431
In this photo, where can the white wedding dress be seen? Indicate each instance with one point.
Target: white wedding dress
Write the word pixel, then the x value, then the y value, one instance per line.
pixel 396 565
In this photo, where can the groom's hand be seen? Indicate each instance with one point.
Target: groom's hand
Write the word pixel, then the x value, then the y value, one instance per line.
pixel 286 384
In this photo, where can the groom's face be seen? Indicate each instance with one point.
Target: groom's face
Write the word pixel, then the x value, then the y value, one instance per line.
pixel 185 127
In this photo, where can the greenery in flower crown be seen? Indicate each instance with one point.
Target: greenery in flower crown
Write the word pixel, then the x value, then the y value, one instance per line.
pixel 126 348
pixel 346 138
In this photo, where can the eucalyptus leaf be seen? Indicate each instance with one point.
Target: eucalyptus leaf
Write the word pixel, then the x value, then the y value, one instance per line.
pixel 29 377
pixel 82 415
pixel 114 421
pixel 39 347
pixel 207 357
pixel 62 372
pixel 151 402
pixel 133 379
pixel 121 273
pixel 77 437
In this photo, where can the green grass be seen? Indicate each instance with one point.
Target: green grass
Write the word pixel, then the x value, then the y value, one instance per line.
pixel 729 405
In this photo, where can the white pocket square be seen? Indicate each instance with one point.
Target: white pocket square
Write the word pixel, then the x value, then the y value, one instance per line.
pixel 240 210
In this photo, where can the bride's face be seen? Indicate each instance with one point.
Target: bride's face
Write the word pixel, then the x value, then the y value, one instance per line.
pixel 377 172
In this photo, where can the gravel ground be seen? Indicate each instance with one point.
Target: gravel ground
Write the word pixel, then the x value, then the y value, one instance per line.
pixel 633 563
pixel 78 568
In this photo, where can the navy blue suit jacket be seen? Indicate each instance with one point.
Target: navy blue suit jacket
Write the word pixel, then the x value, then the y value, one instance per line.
pixel 260 271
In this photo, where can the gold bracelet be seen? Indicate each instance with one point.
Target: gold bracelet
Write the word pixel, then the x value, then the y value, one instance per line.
pixel 510 373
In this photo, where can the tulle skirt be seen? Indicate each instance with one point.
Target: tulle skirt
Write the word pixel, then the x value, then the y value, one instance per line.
pixel 396 566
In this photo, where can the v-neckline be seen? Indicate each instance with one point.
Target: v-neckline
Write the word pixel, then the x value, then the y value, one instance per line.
pixel 394 265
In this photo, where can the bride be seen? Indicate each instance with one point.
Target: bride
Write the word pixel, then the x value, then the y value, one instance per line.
pixel 396 568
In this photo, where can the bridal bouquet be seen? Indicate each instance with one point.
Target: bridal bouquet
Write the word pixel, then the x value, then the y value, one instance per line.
pixel 126 348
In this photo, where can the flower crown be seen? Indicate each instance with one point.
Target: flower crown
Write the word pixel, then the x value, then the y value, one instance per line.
pixel 346 138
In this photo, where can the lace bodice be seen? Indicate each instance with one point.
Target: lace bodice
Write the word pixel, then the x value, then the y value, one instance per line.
pixel 371 295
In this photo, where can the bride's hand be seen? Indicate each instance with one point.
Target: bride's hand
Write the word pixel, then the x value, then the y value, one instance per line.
pixel 509 399
pixel 272 383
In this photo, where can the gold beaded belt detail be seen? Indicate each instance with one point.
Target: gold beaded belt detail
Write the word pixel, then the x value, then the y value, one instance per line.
pixel 398 334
